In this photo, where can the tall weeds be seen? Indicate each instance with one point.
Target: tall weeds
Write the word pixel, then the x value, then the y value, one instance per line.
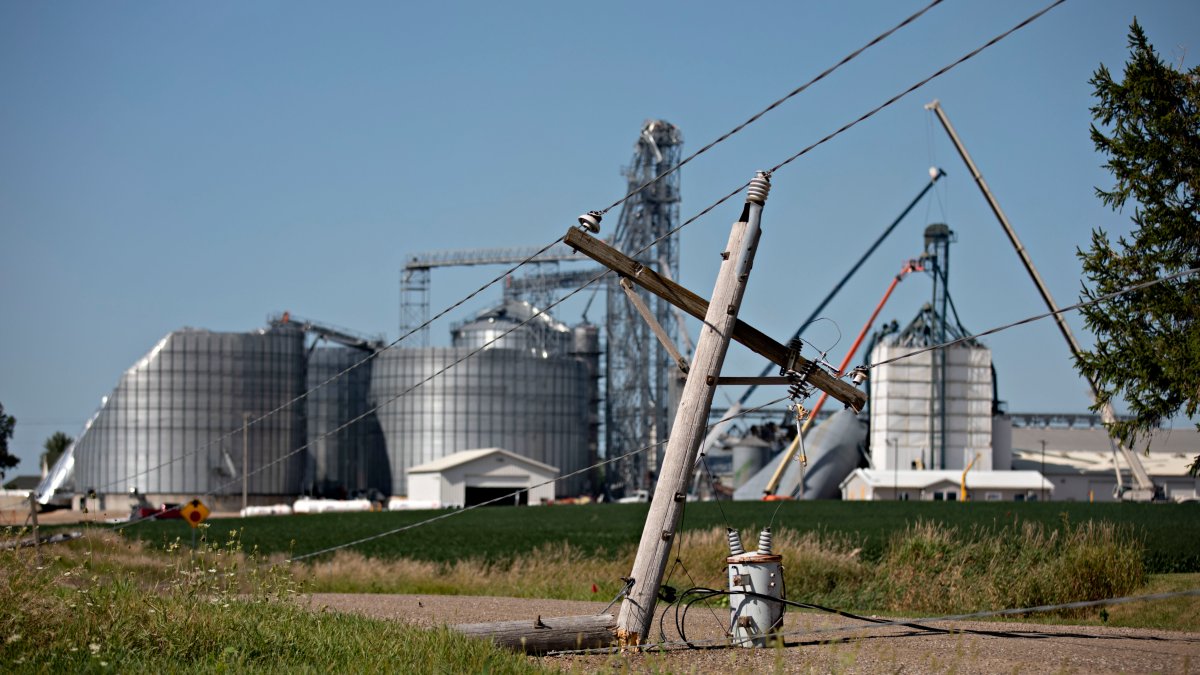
pixel 933 568
pixel 927 567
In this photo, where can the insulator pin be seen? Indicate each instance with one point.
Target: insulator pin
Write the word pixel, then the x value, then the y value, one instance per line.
pixel 759 187
pixel 764 542
pixel 735 542
pixel 590 221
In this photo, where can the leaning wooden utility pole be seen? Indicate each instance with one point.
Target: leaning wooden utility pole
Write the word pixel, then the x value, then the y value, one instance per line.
pixel 637 609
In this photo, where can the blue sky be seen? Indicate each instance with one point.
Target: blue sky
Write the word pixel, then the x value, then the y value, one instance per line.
pixel 205 164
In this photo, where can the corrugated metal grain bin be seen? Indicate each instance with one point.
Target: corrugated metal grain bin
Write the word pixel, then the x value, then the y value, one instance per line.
pixel 166 428
pixel 533 399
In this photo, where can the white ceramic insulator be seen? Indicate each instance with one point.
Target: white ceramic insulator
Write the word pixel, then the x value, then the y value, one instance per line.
pixel 735 542
pixel 764 542
pixel 759 188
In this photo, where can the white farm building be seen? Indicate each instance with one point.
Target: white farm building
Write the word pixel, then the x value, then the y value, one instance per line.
pixel 473 477
pixel 943 485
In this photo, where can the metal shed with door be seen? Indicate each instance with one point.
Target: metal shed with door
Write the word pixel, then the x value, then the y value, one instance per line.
pixel 934 485
pixel 473 477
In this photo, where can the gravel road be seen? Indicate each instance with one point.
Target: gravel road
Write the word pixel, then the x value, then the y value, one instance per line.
pixel 1023 647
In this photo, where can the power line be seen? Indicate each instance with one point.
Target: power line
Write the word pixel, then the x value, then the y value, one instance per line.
pixel 755 117
pixel 504 497
pixel 871 113
pixel 865 116
pixel 340 374
pixel 1083 604
pixel 1038 317
pixel 942 71
pixel 849 57
pixel 694 218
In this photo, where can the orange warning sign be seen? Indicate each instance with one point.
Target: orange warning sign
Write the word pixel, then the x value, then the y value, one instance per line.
pixel 194 512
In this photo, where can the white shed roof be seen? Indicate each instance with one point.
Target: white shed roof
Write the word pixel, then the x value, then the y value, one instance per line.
pixel 467 456
pixel 916 480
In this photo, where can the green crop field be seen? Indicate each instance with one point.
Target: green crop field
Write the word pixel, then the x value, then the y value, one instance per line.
pixel 1171 532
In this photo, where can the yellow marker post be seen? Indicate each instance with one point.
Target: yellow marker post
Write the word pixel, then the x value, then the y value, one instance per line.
pixel 194 512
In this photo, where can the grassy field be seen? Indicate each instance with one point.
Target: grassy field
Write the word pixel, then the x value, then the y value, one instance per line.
pixel 1169 532
pixel 140 600
pixel 101 604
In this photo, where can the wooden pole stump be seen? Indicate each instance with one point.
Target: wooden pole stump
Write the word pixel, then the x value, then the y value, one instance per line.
pixel 541 635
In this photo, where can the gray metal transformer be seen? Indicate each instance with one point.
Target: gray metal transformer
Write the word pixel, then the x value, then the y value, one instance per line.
pixel 525 393
pixel 166 428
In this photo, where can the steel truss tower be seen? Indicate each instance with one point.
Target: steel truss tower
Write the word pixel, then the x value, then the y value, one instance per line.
pixel 640 376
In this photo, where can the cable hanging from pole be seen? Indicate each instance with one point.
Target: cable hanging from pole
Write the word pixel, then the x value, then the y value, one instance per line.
pixel 871 113
pixel 1038 317
pixel 257 420
pixel 455 512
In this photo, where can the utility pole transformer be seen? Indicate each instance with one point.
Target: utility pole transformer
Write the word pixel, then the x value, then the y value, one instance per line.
pixel 666 508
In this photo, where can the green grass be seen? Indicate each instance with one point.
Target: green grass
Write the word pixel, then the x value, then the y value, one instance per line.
pixel 1169 531
pixel 1174 613
pixel 102 604
pixel 1181 613
pixel 112 602
pixel 925 557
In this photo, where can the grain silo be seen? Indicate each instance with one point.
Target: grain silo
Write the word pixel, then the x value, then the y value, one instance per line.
pixel 926 415
pixel 525 392
pixel 171 428
pixel 346 453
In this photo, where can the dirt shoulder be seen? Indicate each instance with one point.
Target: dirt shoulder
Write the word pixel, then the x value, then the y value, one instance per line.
pixel 821 642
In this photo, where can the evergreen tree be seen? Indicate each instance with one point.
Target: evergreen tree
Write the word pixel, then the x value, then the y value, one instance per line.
pixel 7 423
pixel 1147 349
pixel 55 445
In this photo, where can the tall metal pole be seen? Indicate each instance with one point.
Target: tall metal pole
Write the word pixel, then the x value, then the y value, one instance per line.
pixel 1140 476
pixel 666 508
pixel 895 443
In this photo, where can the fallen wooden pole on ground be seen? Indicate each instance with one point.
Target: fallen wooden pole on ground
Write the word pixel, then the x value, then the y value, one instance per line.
pixel 541 635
